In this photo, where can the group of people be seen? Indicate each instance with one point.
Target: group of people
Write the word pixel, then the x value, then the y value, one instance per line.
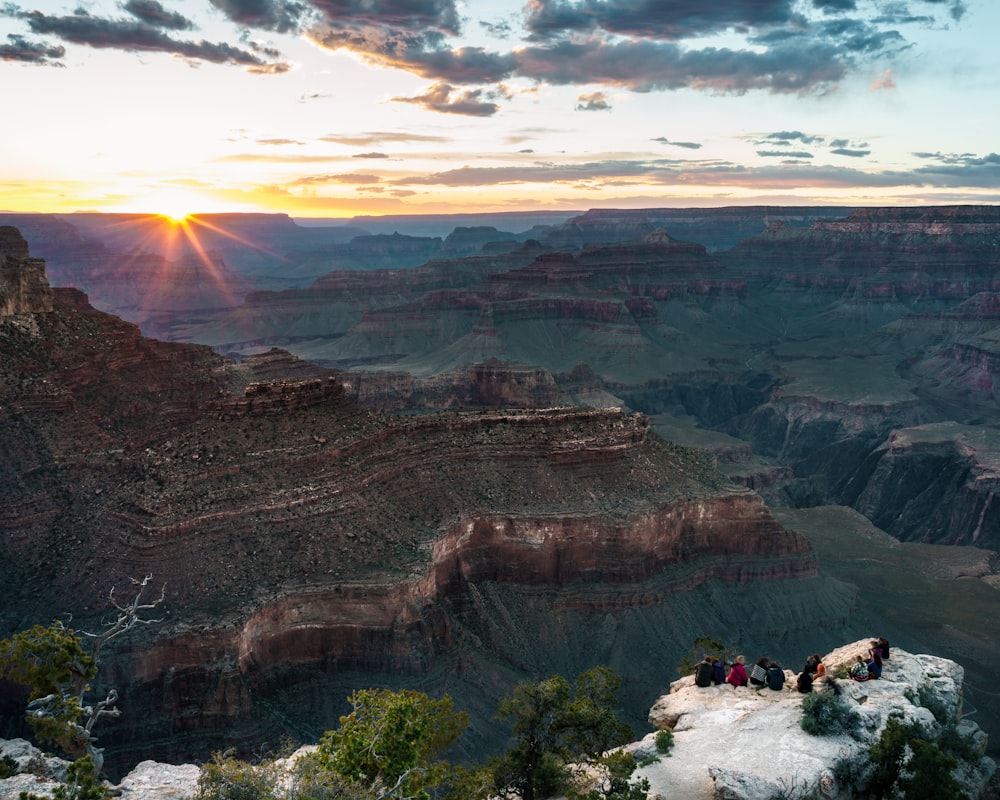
pixel 870 668
pixel 712 670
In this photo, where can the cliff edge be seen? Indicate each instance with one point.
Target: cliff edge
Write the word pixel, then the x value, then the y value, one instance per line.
pixel 747 744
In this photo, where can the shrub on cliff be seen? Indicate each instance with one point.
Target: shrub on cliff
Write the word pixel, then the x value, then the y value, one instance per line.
pixel 560 731
pixel 906 759
pixel 57 669
pixel 705 646
pixel 826 713
pixel 392 740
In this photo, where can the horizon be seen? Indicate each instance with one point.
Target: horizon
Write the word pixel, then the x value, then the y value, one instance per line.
pixel 336 110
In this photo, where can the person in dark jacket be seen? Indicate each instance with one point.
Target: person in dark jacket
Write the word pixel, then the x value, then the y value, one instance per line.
pixel 718 671
pixel 775 677
pixel 804 683
pixel 703 672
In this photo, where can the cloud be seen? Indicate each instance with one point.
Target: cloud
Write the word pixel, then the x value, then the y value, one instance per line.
pixel 347 177
pixel 834 6
pixel 787 137
pixel 20 49
pixel 271 15
pixel 653 19
pixel 595 101
pixel 784 154
pixel 843 151
pixel 278 141
pixel 153 13
pixel 645 66
pixel 688 145
pixel 380 137
pixel 446 99
pixel 500 29
pixel 883 81
pixel 137 35
pixel 370 155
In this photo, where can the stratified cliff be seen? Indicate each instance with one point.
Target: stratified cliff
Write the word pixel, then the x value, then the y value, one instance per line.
pixel 308 545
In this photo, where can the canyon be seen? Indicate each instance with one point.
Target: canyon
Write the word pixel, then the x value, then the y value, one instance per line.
pixel 515 454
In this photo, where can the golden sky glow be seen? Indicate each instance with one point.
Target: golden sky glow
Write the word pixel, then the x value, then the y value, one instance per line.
pixel 178 108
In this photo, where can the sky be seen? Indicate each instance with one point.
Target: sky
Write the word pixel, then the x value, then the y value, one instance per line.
pixel 334 108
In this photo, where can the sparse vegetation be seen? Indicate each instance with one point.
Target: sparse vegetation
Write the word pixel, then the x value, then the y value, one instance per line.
pixel 664 742
pixel 907 759
pixel 826 713
pixel 56 667
pixel 705 646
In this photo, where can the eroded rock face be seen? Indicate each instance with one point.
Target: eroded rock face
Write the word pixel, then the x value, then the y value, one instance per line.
pixel 302 538
pixel 746 744
pixel 23 286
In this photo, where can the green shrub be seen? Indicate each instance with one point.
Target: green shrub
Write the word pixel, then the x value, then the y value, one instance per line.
pixel 963 747
pixel 827 714
pixel 664 742
pixel 80 784
pixel 8 767
pixel 930 700
pixel 225 778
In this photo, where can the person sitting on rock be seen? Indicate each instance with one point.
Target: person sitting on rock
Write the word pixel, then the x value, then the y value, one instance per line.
pixel 804 683
pixel 738 674
pixel 820 671
pixel 775 677
pixel 758 675
pixel 883 644
pixel 811 663
pixel 859 671
pixel 875 661
pixel 718 671
pixel 703 672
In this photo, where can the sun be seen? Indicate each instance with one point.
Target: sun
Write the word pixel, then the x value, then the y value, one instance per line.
pixel 175 217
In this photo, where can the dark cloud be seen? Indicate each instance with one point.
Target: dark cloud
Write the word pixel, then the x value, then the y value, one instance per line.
pixel 784 154
pixel 844 151
pixel 282 16
pixel 649 66
pixel 123 34
pixel 654 19
pixel 153 13
pixel 595 101
pixel 20 49
pixel 500 29
pixel 688 145
pixel 370 155
pixel 834 6
pixel 787 137
pixel 398 15
pixel 446 99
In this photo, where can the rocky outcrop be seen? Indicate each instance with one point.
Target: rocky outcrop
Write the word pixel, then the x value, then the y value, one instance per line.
pixel 747 744
pixel 934 483
pixel 908 251
pixel 23 285
pixel 716 228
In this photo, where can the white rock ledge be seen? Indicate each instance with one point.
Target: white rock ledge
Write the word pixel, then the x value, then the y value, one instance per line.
pixel 748 744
